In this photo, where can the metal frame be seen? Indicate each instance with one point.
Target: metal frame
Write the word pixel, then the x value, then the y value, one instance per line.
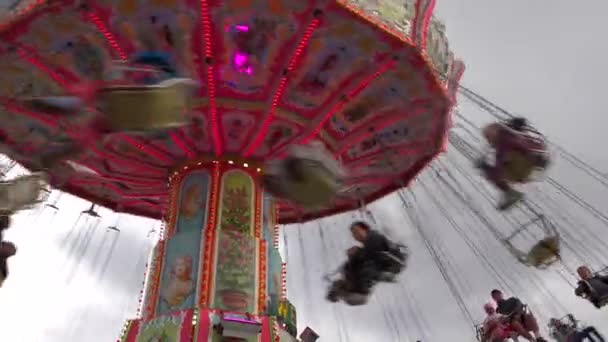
pixel 549 230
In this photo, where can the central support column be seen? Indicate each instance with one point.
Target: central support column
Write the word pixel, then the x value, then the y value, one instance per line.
pixel 218 256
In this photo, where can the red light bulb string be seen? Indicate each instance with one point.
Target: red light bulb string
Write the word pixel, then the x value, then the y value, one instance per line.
pixel 101 27
pixel 207 34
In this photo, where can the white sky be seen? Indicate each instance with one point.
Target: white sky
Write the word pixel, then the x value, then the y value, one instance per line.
pixel 543 58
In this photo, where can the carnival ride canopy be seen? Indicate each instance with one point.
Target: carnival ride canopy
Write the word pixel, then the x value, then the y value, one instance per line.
pixel 273 74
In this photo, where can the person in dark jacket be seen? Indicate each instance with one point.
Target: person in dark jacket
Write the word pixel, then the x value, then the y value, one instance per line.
pixel 592 287
pixel 372 261
pixel 7 249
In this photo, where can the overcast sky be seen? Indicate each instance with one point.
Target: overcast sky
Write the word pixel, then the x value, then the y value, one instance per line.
pixel 542 58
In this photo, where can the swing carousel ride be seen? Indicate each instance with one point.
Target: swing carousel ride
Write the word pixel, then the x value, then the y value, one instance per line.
pixel 171 109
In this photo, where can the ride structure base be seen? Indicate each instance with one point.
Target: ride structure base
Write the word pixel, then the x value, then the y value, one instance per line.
pixel 216 273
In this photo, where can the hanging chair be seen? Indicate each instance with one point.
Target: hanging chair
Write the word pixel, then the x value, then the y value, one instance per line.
pixel 309 176
pixel 543 253
pixel 338 291
pixel 524 168
pixel 143 108
pixel 560 329
pixel 480 335
pixel 141 97
pixel 22 192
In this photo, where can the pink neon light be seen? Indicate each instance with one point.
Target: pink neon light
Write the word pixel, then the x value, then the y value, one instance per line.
pixel 241 28
pixel 94 18
pixel 208 36
pixel 146 149
pixel 180 144
pixel 241 63
pixel 295 59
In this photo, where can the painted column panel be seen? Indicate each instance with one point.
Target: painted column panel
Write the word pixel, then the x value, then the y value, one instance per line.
pixel 235 287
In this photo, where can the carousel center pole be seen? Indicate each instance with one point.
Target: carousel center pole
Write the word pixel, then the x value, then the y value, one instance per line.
pixel 216 271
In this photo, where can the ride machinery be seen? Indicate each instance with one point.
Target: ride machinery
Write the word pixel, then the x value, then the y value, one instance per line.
pixel 362 77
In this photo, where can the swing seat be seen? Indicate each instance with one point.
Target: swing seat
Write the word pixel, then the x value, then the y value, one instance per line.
pixel 144 108
pixel 524 167
pixel 519 169
pixel 392 262
pixel 544 253
pixel 309 177
pixel 337 291
pixel 504 334
pixel 22 192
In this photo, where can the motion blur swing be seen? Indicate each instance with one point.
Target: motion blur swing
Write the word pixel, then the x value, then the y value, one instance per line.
pixel 377 260
pixel 543 253
pixel 144 96
pixel 521 156
pixel 22 192
pixel 308 176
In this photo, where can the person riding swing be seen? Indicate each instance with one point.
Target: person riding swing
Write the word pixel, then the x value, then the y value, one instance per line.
pixel 378 259
pixel 7 249
pixel 517 154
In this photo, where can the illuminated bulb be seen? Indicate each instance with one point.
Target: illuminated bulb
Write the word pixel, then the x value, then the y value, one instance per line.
pixel 230 162
pixel 200 163
pixel 246 165
pixel 258 169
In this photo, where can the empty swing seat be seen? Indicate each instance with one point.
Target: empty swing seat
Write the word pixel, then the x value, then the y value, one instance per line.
pixel 309 177
pixel 21 193
pixel 142 108
pixel 524 165
pixel 544 253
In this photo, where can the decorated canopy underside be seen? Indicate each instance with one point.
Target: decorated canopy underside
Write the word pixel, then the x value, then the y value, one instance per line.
pixel 273 73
